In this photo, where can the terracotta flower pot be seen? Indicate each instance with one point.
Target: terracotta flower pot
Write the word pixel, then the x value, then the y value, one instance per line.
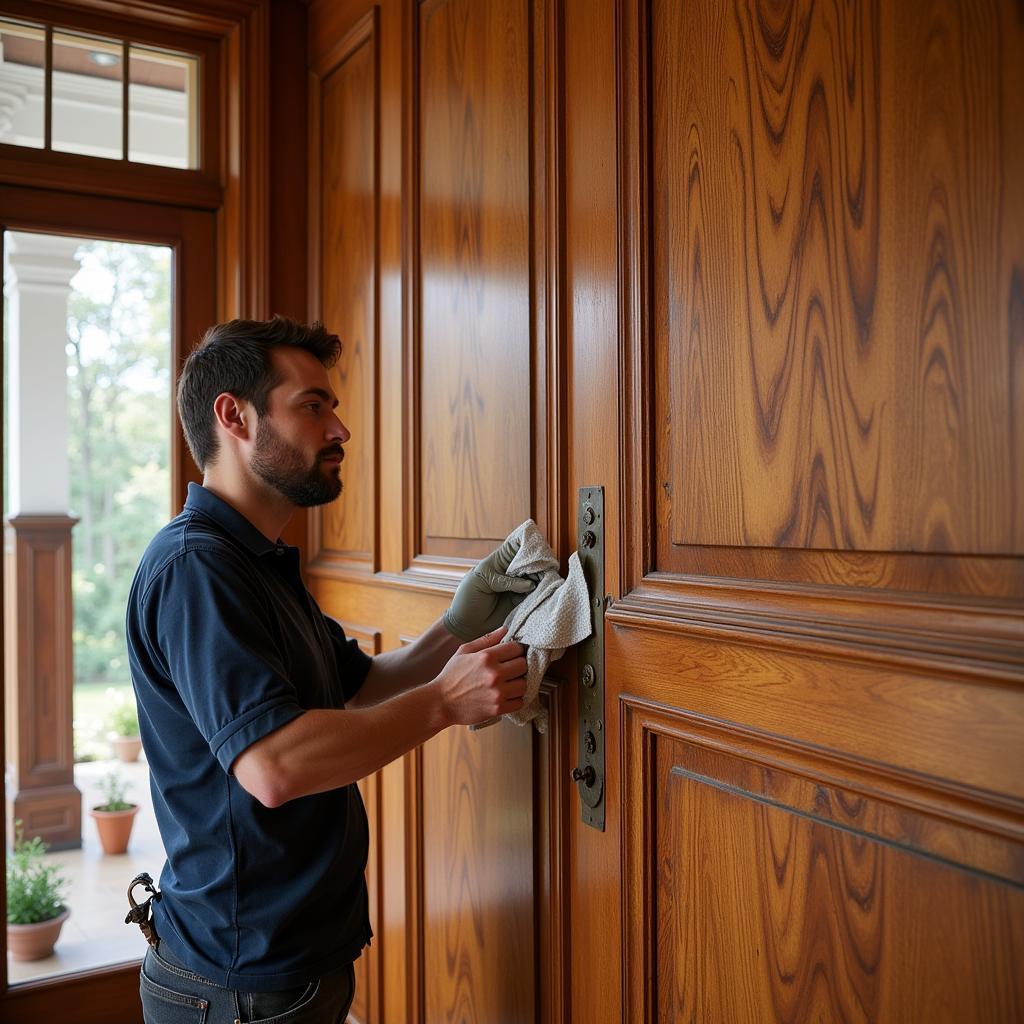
pixel 34 941
pixel 114 827
pixel 127 748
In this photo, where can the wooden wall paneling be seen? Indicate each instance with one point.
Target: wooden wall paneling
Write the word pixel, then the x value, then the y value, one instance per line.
pixel 343 535
pixel 366 1006
pixel 472 278
pixel 593 444
pixel 478 896
pixel 753 882
pixel 834 324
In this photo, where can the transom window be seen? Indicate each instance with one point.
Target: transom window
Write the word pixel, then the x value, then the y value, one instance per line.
pixel 68 92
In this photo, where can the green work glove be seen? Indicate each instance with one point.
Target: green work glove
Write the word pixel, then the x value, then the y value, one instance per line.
pixel 486 596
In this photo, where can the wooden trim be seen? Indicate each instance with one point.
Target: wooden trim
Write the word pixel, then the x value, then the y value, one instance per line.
pixel 553 804
pixel 70 172
pixel 411 334
pixel 106 996
pixel 416 993
pixel 635 191
pixel 969 640
pixel 245 223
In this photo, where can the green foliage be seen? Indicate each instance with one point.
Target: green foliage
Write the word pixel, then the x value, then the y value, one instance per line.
pixel 119 393
pixel 114 790
pixel 35 890
pixel 123 716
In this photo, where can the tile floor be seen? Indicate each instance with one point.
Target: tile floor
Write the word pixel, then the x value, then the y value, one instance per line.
pixel 95 934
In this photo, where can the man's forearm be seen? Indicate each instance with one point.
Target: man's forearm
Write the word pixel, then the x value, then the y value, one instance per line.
pixel 324 749
pixel 395 672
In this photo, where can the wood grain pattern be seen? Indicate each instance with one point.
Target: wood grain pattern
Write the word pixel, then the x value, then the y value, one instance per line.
pixel 348 275
pixel 478 951
pixel 940 728
pixel 838 254
pixel 474 273
pixel 765 908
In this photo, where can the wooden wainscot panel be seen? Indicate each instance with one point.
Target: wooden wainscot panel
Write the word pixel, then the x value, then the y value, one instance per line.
pixel 478 875
pixel 343 534
pixel 758 887
pixel 365 1006
pixel 472 331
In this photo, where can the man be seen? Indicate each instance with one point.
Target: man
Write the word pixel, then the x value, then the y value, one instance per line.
pixel 258 716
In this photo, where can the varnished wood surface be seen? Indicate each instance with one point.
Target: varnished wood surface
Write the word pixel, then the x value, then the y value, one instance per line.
pixel 348 287
pixel 595 952
pixel 766 908
pixel 838 269
pixel 478 875
pixel 473 272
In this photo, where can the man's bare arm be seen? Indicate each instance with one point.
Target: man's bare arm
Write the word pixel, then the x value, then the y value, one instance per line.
pixel 324 749
pixel 395 672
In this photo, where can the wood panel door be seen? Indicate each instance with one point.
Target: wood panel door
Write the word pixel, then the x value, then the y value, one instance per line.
pixel 794 243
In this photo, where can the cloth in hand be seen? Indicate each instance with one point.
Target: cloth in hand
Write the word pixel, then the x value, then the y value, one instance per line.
pixel 554 616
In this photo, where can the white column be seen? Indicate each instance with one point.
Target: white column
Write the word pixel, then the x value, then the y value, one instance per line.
pixel 37 284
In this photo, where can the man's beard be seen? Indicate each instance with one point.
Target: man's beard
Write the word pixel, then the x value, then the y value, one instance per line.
pixel 281 466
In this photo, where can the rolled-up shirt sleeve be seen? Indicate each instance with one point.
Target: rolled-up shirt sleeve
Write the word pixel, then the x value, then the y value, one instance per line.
pixel 218 640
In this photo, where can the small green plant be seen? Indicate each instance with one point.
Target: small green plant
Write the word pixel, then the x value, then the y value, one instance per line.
pixel 123 716
pixel 35 891
pixel 114 790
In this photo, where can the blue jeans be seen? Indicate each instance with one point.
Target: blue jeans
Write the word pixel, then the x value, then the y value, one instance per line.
pixel 172 994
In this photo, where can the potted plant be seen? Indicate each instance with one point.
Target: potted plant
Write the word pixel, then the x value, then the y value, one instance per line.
pixel 124 726
pixel 36 908
pixel 116 815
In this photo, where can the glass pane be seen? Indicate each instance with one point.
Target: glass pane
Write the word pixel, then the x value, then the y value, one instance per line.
pixel 87 100
pixel 87 360
pixel 22 84
pixel 162 121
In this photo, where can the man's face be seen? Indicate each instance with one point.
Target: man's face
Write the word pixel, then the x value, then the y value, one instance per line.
pixel 298 442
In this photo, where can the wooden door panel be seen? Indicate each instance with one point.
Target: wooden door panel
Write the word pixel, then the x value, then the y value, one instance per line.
pixel 837 274
pixel 474 274
pixel 773 896
pixel 345 530
pixel 478 883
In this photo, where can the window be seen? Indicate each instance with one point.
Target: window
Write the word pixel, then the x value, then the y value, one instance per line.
pixel 67 92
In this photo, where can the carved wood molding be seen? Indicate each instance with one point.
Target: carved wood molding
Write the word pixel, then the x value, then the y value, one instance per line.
pixel 970 640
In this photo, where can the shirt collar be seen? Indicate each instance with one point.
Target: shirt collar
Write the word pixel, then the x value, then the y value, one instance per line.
pixel 229 519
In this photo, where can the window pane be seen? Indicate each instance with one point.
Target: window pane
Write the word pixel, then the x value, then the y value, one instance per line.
pixel 162 121
pixel 22 84
pixel 87 354
pixel 87 101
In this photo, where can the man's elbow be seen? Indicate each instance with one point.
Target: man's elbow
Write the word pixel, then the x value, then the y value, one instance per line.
pixel 263 778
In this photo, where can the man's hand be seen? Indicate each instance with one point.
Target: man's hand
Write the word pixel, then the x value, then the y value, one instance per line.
pixel 487 595
pixel 483 679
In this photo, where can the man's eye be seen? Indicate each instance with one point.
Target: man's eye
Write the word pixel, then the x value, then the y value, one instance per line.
pixel 315 406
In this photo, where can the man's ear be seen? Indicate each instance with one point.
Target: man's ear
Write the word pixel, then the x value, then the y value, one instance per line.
pixel 235 416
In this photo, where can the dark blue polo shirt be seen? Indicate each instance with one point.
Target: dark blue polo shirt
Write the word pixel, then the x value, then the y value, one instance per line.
pixel 225 645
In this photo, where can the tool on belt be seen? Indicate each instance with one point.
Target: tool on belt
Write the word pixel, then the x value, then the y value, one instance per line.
pixel 141 913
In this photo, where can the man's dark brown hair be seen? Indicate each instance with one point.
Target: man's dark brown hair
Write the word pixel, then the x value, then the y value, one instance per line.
pixel 235 357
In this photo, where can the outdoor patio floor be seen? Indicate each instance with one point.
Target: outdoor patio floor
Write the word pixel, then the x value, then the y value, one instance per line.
pixel 95 934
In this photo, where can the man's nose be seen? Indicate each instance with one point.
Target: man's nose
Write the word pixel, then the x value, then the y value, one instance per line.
pixel 337 431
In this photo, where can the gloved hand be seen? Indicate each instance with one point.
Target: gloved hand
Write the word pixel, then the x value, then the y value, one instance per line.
pixel 486 595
